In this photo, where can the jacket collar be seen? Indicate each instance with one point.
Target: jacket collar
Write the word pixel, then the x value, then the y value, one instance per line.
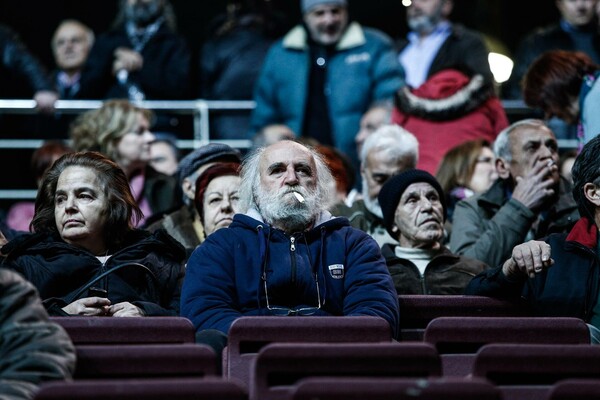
pixel 585 232
pixel 297 38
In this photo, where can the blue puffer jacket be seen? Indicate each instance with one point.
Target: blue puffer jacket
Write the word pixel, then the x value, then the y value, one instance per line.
pixel 224 274
pixel 363 69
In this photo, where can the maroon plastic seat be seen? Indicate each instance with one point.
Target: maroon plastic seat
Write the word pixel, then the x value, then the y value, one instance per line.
pixel 103 330
pixel 575 389
pixel 417 311
pixel 248 335
pixel 156 389
pixel 144 361
pixel 528 371
pixel 457 339
pixel 279 366
pixel 447 388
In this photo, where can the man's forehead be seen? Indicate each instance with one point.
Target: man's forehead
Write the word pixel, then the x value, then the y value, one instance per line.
pixel 418 187
pixel 528 133
pixel 288 152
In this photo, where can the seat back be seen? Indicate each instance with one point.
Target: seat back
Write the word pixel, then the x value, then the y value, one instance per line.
pixel 144 361
pixel 575 389
pixel 279 366
pixel 102 330
pixel 417 311
pixel 447 388
pixel 248 335
pixel 457 339
pixel 155 389
pixel 530 370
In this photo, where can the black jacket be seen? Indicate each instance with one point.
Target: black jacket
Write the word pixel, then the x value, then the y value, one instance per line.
pixel 164 76
pixel 445 274
pixel 569 288
pixel 59 270
pixel 463 47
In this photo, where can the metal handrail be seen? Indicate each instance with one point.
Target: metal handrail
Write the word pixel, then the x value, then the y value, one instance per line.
pixel 200 109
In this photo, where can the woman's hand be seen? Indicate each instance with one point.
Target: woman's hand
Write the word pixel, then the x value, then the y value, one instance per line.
pixel 125 309
pixel 88 306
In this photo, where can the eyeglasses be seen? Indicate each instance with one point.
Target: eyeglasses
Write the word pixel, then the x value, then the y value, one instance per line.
pixel 285 311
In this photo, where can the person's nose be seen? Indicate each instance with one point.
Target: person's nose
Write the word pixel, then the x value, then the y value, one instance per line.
pixel 70 204
pixel 426 204
pixel 290 177
pixel 226 205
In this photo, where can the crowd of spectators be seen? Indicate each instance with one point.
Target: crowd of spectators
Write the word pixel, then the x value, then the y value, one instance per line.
pixel 378 167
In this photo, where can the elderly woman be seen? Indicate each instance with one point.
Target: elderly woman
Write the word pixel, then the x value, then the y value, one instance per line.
pixel 86 257
pixel 121 131
pixel 217 198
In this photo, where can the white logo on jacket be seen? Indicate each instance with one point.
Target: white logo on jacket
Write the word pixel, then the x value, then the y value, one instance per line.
pixel 336 271
pixel 360 57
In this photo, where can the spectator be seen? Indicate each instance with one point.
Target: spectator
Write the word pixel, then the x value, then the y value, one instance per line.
pixel 121 131
pixel 414 211
pixel 323 75
pixel 556 276
pixel 575 31
pixel 245 269
pixel 231 59
pixel 85 243
pixel 564 84
pixel 34 350
pixel 71 44
pixel 184 223
pixel 465 170
pixel 435 44
pixel 271 134
pixel 17 62
pixel 452 106
pixel 378 114
pixel 387 152
pixel 217 197
pixel 140 57
pixel 164 154
pixel 529 199
pixel 20 214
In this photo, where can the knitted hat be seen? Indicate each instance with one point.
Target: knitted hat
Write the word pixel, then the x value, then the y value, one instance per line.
pixel 306 5
pixel 203 155
pixel 392 190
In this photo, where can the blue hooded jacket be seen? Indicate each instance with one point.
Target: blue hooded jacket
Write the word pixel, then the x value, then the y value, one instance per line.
pixel 224 274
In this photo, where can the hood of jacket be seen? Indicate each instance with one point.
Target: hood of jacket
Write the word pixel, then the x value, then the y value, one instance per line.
pixel 447 95
pixel 297 38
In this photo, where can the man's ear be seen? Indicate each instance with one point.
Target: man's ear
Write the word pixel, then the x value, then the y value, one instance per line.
pixel 592 193
pixel 502 168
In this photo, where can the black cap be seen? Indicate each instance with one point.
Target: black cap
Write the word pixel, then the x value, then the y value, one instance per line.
pixel 390 193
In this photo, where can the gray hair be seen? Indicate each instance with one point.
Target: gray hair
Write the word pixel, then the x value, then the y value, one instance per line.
pixel 502 148
pixel 250 177
pixel 397 141
pixel 89 33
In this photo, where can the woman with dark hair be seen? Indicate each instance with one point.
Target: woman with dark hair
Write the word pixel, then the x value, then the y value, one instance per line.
pixel 217 198
pixel 563 84
pixel 465 170
pixel 85 256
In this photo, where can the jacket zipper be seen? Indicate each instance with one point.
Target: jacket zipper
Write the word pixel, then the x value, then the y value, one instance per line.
pixel 293 257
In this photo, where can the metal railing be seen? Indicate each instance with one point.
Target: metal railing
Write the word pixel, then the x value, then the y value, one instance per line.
pixel 200 111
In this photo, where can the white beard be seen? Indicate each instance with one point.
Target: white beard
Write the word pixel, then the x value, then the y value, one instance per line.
pixel 284 210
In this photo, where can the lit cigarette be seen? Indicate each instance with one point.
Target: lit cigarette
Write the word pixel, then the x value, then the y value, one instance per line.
pixel 299 197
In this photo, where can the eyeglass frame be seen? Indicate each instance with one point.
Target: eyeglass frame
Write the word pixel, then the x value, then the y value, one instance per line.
pixel 293 311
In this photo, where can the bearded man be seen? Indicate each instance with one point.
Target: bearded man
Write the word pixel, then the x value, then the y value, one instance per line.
pixel 286 255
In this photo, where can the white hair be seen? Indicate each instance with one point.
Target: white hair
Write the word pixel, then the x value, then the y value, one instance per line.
pixel 502 147
pixel 397 141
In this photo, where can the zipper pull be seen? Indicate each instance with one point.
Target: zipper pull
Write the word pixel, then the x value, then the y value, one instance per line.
pixel 292 243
